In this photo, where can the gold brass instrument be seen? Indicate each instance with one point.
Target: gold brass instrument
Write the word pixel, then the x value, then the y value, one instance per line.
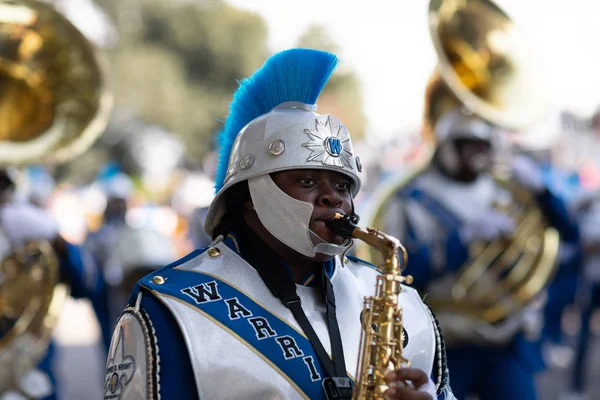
pixel 382 337
pixel 502 277
pixel 31 300
pixel 54 97
pixel 484 64
pixel 54 102
pixel 485 69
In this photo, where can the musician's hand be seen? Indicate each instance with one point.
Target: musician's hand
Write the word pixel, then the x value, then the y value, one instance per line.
pixel 417 387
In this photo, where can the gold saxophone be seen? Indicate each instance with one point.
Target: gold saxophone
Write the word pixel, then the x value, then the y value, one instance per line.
pixel 382 336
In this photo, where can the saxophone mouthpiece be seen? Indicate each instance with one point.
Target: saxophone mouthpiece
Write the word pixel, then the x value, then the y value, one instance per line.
pixel 342 225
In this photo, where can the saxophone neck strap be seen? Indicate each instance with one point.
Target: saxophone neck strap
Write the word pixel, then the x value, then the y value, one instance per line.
pixel 271 269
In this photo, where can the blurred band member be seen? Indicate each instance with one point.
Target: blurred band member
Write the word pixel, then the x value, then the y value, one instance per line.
pixel 20 223
pixel 438 216
pixel 117 188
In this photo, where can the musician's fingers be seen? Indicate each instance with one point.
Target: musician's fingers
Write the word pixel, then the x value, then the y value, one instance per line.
pixel 416 376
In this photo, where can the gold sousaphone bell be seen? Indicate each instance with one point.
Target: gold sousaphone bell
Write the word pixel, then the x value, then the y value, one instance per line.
pixel 485 69
pixel 54 103
pixel 484 66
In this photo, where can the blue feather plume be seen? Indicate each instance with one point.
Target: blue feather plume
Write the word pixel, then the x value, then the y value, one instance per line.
pixel 290 75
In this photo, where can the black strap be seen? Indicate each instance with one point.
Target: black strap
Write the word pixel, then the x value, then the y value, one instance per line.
pixel 332 324
pixel 295 307
pixel 339 387
pixel 272 271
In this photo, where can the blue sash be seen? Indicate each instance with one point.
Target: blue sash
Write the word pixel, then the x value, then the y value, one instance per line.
pixel 279 344
pixel 438 210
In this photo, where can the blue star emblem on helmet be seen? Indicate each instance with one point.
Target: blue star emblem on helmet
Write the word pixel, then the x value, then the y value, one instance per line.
pixel 329 145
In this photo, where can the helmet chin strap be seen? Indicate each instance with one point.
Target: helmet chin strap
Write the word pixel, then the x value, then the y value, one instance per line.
pixel 288 219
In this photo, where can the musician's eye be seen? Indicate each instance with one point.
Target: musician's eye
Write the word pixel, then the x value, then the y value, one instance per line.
pixel 342 186
pixel 307 181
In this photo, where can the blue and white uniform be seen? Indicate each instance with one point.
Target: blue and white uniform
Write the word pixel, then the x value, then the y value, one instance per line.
pixel 21 222
pixel 436 218
pixel 229 321
pixel 207 327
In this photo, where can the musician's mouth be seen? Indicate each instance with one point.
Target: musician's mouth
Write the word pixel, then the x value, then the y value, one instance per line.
pixel 328 215
pixel 320 228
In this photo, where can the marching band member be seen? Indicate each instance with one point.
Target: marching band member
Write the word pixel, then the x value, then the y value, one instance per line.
pixel 563 288
pixel 117 187
pixel 136 252
pixel 438 215
pixel 20 223
pixel 47 120
pixel 254 315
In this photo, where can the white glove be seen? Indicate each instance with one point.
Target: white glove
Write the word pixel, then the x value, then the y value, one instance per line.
pixel 487 227
pixel 430 388
pixel 526 172
pixel 22 222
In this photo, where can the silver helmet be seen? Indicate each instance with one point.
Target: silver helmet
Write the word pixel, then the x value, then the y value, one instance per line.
pixel 455 124
pixel 273 126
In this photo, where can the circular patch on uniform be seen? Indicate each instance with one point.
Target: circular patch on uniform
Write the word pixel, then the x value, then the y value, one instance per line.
pixel 126 358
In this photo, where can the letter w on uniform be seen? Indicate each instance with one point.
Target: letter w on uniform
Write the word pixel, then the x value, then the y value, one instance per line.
pixel 203 293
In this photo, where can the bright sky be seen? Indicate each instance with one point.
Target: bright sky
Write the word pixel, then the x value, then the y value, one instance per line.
pixel 387 43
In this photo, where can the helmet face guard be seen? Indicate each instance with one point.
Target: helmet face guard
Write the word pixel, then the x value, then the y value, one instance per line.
pixel 288 219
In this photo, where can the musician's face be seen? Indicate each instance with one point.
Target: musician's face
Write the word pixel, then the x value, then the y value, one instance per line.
pixel 327 191
pixel 474 158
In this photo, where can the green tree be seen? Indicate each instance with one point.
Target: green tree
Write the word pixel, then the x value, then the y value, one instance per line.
pixel 342 97
pixel 177 63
